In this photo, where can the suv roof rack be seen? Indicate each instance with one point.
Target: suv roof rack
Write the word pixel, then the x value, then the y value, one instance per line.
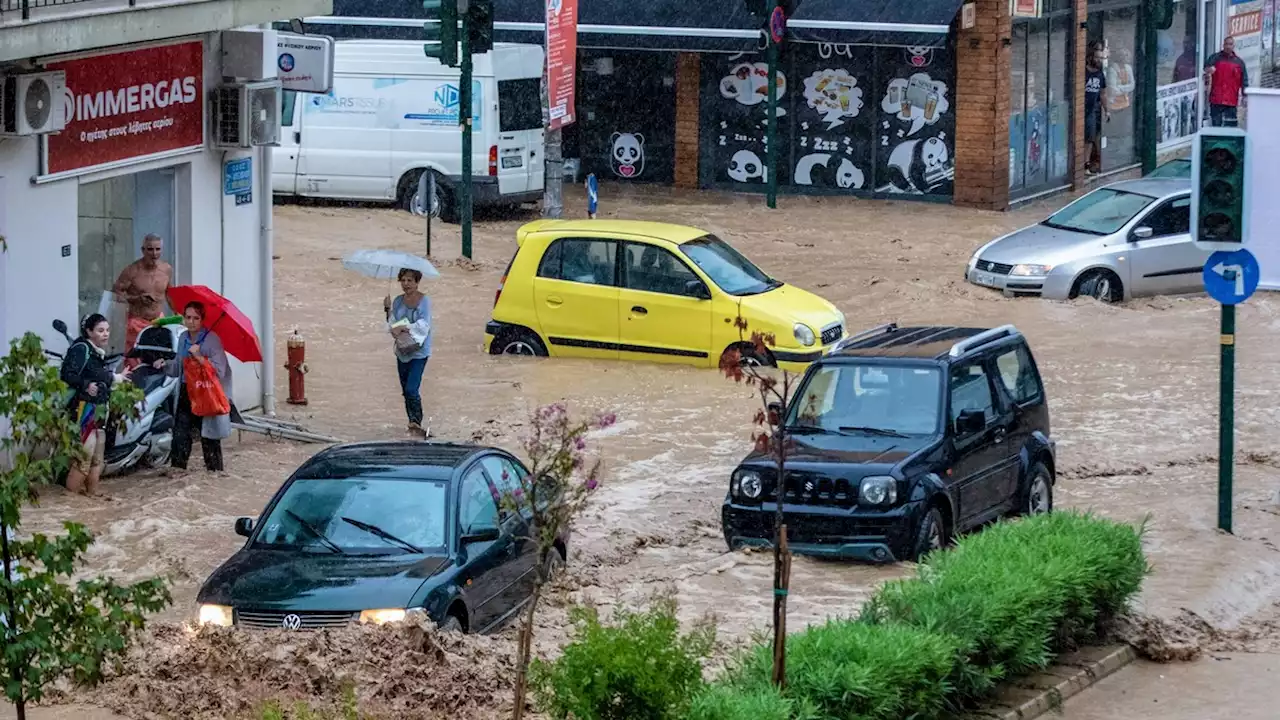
pixel 878 330
pixel 982 338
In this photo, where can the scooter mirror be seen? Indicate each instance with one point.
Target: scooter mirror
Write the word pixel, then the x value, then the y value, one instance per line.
pixel 60 326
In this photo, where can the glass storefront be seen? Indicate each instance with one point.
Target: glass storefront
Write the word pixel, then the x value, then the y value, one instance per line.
pixel 1113 25
pixel 1177 77
pixel 114 216
pixel 1040 103
pixel 626 116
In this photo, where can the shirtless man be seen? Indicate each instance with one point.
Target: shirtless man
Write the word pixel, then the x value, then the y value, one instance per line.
pixel 143 285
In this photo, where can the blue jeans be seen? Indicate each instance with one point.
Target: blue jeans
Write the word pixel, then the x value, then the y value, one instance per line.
pixel 410 386
pixel 1223 116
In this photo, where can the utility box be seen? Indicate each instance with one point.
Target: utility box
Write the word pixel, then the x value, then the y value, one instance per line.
pixel 250 54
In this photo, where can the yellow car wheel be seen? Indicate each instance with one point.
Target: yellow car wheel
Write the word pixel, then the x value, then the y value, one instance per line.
pixel 518 341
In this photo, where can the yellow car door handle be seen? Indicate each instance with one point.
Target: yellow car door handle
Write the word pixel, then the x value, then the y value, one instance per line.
pixel 554 301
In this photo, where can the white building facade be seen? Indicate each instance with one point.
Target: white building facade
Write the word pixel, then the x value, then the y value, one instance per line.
pixel 136 157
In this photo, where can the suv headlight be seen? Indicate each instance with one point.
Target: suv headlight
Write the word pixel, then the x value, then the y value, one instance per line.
pixel 747 485
pixel 804 334
pixel 1030 270
pixel 219 615
pixel 878 490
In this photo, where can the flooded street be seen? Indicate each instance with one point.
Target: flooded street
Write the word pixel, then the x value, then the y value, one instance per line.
pixel 1132 391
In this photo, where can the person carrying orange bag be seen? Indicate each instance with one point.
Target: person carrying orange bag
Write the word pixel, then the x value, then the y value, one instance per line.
pixel 204 393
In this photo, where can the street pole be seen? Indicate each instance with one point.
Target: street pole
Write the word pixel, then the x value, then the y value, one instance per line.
pixel 1150 135
pixel 771 129
pixel 553 150
pixel 464 114
pixel 1226 416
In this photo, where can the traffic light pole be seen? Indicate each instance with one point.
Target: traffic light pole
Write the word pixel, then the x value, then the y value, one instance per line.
pixel 464 116
pixel 1226 416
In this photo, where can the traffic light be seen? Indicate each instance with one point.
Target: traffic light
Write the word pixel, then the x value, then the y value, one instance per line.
pixel 441 31
pixel 1219 197
pixel 480 26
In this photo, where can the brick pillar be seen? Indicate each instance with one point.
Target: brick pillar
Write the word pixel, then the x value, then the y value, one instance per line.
pixel 1079 51
pixel 688 81
pixel 982 108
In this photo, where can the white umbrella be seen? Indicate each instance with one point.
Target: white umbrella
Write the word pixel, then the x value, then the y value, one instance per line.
pixel 387 263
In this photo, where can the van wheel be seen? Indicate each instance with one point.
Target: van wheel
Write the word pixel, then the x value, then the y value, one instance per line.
pixel 442 203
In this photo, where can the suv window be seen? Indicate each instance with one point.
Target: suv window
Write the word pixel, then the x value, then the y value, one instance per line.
pixel 583 261
pixel 842 397
pixel 1171 218
pixel 654 269
pixel 519 105
pixel 970 390
pixel 1018 375
pixel 477 510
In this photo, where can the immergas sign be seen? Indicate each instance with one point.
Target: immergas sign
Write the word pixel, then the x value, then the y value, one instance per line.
pixel 304 63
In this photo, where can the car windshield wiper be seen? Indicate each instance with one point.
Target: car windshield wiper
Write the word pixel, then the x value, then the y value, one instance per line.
pixel 375 530
pixel 812 429
pixel 882 432
pixel 1070 228
pixel 312 529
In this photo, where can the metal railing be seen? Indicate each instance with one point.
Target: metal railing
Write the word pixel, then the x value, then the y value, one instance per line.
pixel 7 6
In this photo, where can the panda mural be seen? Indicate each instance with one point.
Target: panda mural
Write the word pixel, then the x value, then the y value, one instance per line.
pixel 920 167
pixel 626 155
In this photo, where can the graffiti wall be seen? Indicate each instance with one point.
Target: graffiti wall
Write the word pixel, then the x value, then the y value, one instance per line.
pixel 851 119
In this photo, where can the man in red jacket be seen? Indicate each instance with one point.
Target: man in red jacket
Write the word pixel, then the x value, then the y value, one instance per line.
pixel 1227 77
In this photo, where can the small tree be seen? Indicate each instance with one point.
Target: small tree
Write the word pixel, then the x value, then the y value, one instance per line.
pixel 747 363
pixel 52 629
pixel 560 481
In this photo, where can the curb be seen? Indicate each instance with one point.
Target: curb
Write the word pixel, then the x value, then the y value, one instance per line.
pixel 1035 695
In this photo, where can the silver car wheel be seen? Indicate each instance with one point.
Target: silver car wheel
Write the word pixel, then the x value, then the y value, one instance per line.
pixel 935 537
pixel 519 347
pixel 1039 497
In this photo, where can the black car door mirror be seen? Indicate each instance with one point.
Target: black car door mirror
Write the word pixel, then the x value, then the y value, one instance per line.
pixel 971 422
pixel 1143 233
pixel 695 289
pixel 475 535
pixel 244 526
pixel 775 412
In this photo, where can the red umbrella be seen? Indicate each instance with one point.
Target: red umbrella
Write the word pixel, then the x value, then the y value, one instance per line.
pixel 232 327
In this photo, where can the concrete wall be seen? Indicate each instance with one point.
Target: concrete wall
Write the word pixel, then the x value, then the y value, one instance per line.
pixel 217 241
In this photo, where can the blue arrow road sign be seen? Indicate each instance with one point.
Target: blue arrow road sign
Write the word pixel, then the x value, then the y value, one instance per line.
pixel 593 195
pixel 1231 276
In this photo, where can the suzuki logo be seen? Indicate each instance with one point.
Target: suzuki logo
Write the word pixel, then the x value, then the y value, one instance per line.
pixel 291 622
pixel 447 96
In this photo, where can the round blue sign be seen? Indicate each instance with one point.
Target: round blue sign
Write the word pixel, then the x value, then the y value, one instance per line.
pixel 778 24
pixel 1231 276
pixel 286 62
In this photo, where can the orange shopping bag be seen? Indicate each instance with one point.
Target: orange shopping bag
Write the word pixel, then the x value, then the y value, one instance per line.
pixel 203 388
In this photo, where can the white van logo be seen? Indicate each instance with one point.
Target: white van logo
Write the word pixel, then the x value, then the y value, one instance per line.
pixel 447 96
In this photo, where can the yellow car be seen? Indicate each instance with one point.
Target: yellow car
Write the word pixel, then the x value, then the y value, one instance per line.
pixel 621 289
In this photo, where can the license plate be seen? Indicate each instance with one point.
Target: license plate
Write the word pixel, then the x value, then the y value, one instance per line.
pixel 984 278
pixel 512 161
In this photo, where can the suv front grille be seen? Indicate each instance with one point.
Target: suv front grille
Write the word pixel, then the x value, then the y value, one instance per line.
pixel 832 334
pixel 275 619
pixel 994 267
pixel 813 489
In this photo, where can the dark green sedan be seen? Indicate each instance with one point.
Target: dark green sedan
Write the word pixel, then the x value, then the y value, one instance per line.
pixel 383 532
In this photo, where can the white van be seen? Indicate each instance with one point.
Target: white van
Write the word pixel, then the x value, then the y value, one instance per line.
pixel 392 115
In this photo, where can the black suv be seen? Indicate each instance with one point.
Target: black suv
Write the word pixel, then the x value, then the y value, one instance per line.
pixel 903 438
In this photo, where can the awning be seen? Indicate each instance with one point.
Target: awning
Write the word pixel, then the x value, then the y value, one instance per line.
pixel 690 25
pixel 910 23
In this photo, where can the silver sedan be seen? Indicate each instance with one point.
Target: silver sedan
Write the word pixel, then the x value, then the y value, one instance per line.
pixel 1125 240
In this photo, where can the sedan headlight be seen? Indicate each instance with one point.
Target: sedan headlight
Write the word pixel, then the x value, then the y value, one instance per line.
pixel 392 615
pixel 1030 270
pixel 878 491
pixel 747 484
pixel 219 615
pixel 804 334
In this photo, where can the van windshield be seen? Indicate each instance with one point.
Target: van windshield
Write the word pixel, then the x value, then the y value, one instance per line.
pixel 520 104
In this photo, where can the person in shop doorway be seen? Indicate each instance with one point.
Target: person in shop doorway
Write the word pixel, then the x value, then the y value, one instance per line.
pixel 409 322
pixel 142 285
pixel 201 343
pixel 1095 107
pixel 85 371
pixel 1120 82
pixel 1226 77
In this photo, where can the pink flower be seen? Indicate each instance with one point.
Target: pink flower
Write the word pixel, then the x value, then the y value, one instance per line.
pixel 592 483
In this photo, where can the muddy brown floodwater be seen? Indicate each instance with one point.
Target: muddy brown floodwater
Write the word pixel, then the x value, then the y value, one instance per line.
pixel 1132 388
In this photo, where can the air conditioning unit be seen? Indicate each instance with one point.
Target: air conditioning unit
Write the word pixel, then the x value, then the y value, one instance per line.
pixel 247 115
pixel 33 103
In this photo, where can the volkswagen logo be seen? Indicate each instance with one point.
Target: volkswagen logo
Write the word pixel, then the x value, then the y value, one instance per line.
pixel 291 622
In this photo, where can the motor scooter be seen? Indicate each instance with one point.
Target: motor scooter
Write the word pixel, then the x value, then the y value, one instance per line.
pixel 148 439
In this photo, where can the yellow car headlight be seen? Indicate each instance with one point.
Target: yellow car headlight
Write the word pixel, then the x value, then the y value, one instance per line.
pixel 392 615
pixel 219 615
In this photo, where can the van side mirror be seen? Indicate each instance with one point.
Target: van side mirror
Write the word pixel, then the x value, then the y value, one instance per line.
pixel 244 526
pixel 971 422
pixel 1142 233
pixel 695 289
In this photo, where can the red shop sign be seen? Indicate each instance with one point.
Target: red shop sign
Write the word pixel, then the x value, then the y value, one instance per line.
pixel 130 105
pixel 562 57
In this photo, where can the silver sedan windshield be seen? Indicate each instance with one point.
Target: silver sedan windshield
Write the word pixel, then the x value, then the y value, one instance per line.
pixel 1101 212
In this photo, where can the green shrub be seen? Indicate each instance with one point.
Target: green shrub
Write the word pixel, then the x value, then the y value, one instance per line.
pixel 851 669
pixel 724 702
pixel 638 668
pixel 346 709
pixel 1016 593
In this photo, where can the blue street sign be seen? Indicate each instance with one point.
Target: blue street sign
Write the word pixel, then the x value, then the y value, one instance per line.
pixel 237 176
pixel 593 195
pixel 1231 276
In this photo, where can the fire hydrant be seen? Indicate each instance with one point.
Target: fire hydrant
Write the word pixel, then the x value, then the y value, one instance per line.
pixel 297 368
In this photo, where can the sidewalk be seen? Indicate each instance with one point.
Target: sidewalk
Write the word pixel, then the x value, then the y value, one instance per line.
pixel 1219 686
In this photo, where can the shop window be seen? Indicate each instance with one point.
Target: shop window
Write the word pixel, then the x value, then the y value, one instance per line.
pixel 1116 31
pixel 1040 104
pixel 626 126
pixel 1177 70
